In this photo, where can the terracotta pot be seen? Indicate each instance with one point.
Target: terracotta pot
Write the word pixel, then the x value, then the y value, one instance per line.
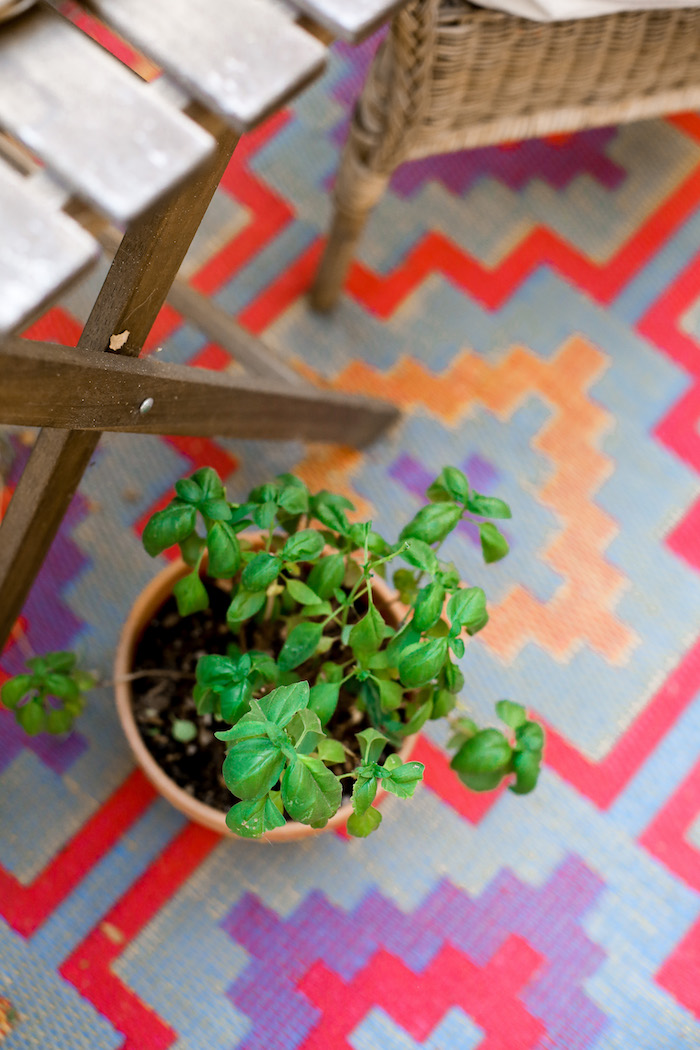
pixel 151 599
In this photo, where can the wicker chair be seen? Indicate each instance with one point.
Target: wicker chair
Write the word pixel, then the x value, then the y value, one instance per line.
pixel 450 76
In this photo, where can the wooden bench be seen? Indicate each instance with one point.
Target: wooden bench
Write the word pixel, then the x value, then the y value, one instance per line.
pixel 89 139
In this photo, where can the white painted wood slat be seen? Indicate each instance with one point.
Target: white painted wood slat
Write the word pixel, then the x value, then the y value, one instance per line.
pixel 92 122
pixel 351 20
pixel 41 250
pixel 242 58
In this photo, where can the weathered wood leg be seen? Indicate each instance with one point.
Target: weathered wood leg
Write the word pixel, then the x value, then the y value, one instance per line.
pixel 134 290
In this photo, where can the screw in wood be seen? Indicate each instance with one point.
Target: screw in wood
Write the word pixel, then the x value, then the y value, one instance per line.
pixel 146 406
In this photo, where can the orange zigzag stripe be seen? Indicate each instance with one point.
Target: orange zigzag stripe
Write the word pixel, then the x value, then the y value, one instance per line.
pixel 581 611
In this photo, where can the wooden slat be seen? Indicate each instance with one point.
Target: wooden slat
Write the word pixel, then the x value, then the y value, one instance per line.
pixel 56 386
pixel 41 251
pixel 96 126
pixel 242 58
pixel 351 20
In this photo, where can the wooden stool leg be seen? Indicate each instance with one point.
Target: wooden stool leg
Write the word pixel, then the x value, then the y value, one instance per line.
pixel 134 290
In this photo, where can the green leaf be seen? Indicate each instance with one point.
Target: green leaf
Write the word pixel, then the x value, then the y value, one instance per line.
pixel 451 484
pixel 361 827
pixel 31 717
pixel 443 703
pixel 224 551
pixel 428 607
pixel 61 686
pixel 487 751
pixel 364 793
pixel 467 608
pixel 168 527
pixel 432 523
pixel 14 689
pixel 63 662
pixel 190 594
pixel 217 671
pixel 529 737
pixel 300 645
pixel 368 633
pixel 406 585
pixel 416 723
pixel 254 818
pixel 59 721
pixel 372 743
pixel 305 731
pixel 205 699
pixel 488 506
pixel 526 766
pixel 390 693
pixel 330 751
pixel 294 498
pixel 302 593
pixel 191 549
pixel 402 640
pixel 482 781
pixel 252 766
pixel 323 699
pixel 188 491
pixel 303 546
pixel 454 679
pixel 183 730
pixel 209 482
pixel 512 714
pixel 319 609
pixel 264 515
pixel 330 509
pixel 310 791
pixel 216 510
pixel 421 663
pixel 234 701
pixel 84 680
pixel 245 605
pixel 420 555
pixel 261 571
pixel 283 703
pixel 402 780
pixel 327 575
pixel 457 647
pixel 494 546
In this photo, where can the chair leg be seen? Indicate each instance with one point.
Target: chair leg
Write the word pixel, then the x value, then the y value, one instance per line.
pixel 357 191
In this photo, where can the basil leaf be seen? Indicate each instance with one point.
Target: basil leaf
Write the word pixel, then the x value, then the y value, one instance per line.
pixel 252 766
pixel 529 737
pixel 190 594
pixel 15 689
pixel 284 702
pixel 526 766
pixel 245 605
pixel 224 551
pixel 487 751
pixel 432 523
pixel 390 694
pixel 301 643
pixel 323 699
pixel 467 608
pixel 512 714
pixel 168 527
pixel 451 484
pixel 330 509
pixel 420 555
pixel 372 743
pixel 361 827
pixel 261 571
pixel 364 793
pixel 310 791
pixel 494 546
pixel 302 593
pixel 254 818
pixel 31 717
pixel 330 751
pixel 488 506
pixel 327 575
pixel 402 780
pixel 209 482
pixel 303 546
pixel 368 633
pixel 421 663
pixel 188 490
pixel 428 606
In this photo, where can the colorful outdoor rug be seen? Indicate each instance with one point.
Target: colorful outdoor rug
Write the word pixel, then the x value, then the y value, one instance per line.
pixel 535 312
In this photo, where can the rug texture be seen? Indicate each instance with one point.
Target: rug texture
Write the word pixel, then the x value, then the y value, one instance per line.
pixel 534 310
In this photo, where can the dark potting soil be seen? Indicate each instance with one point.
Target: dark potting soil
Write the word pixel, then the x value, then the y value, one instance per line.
pixel 170 648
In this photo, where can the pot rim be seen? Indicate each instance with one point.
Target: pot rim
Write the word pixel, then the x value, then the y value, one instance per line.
pixel 149 600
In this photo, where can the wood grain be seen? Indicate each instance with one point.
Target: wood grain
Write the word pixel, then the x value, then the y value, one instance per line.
pixel 41 251
pixel 242 58
pixel 56 386
pixel 95 125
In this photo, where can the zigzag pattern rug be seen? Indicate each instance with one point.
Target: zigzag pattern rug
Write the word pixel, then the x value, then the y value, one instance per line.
pixel 535 312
